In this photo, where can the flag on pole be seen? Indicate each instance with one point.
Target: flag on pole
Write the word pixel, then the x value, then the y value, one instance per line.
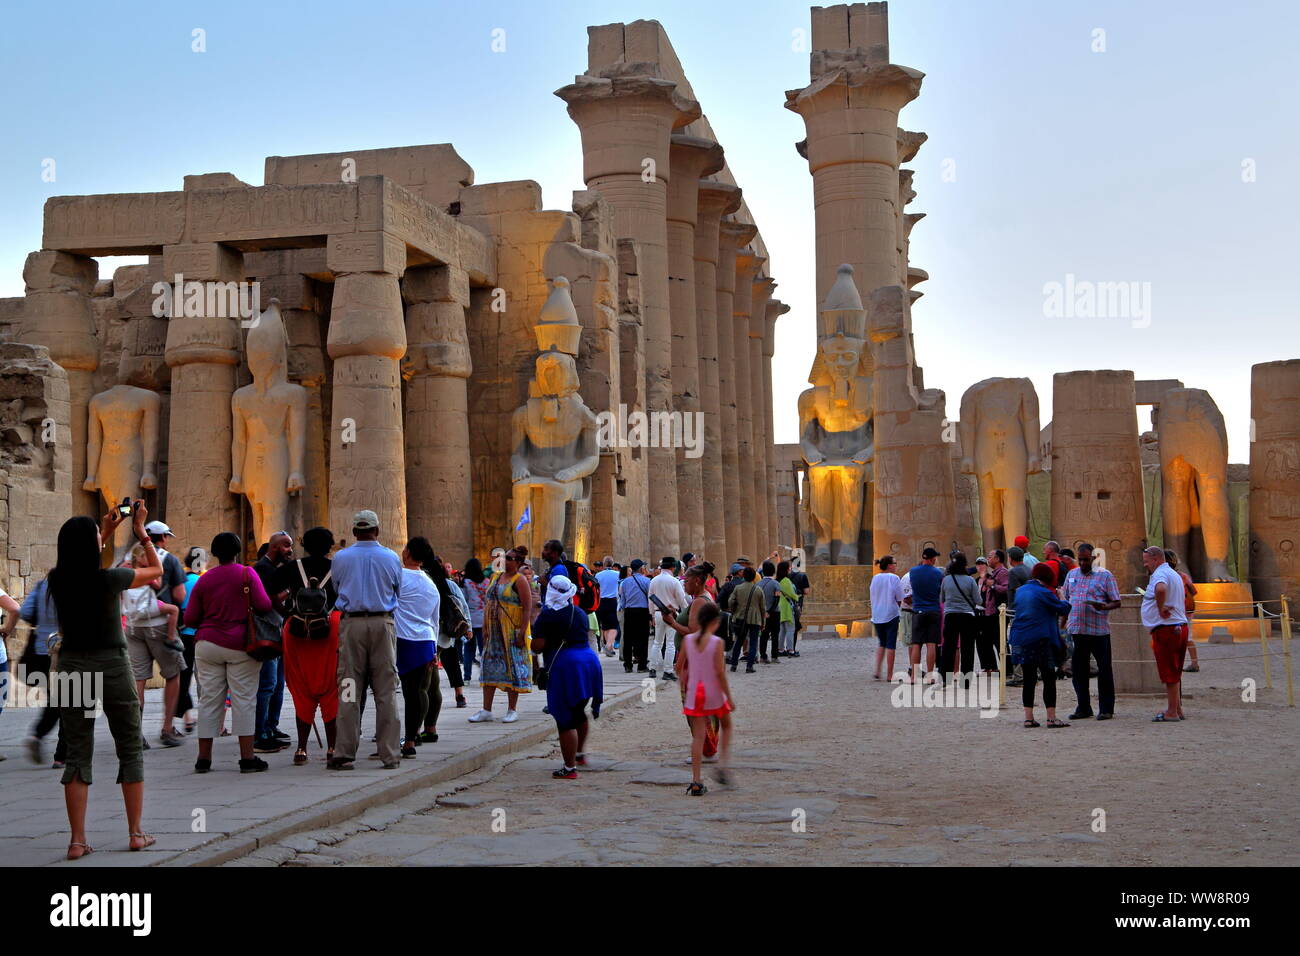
pixel 525 518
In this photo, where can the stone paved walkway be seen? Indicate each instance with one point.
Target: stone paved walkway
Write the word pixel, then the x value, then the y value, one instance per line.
pixel 239 807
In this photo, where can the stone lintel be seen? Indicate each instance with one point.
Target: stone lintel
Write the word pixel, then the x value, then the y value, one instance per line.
pixel 366 252
pixel 202 262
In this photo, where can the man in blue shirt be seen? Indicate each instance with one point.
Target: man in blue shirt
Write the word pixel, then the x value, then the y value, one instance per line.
pixel 926 581
pixel 38 611
pixel 368 578
pixel 607 610
pixel 634 601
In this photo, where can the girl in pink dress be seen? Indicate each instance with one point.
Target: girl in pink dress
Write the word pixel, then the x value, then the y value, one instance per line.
pixel 703 673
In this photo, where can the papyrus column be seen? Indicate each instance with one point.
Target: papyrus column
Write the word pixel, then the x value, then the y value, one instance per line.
pixel 761 292
pixel 367 338
pixel 732 236
pixel 203 353
pixel 747 263
pixel 57 314
pixel 715 199
pixel 626 119
pixel 775 309
pixel 437 364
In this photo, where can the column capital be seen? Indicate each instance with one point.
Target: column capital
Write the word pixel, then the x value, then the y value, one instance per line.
pixel 775 309
pixel 736 235
pixel 905 191
pixel 690 157
pixel 748 262
pixel 719 199
pixel 910 219
pixel 915 275
pixel 909 144
pixel 851 111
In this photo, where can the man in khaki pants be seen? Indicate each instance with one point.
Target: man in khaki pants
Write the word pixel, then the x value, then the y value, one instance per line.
pixel 368 577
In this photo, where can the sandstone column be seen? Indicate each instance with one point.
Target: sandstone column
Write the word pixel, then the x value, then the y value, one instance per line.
pixel 1275 483
pixel 747 264
pixel 732 236
pixel 367 337
pixel 760 438
pixel 850 111
pixel 1097 469
pixel 626 117
pixel 203 353
pixel 714 200
pixel 775 309
pixel 691 157
pixel 57 314
pixel 436 366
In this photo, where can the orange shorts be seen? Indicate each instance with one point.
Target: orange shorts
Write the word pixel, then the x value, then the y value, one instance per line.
pixel 1169 645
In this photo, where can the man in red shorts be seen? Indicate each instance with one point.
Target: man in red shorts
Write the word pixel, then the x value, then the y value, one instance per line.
pixel 1163 616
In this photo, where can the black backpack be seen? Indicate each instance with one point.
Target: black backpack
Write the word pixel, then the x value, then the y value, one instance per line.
pixel 311 607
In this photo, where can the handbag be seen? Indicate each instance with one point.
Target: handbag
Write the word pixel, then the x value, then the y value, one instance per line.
pixel 262 640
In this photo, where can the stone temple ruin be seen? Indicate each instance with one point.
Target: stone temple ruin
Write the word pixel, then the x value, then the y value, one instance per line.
pixel 374 329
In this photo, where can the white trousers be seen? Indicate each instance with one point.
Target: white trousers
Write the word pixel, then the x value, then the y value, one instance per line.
pixel 664 650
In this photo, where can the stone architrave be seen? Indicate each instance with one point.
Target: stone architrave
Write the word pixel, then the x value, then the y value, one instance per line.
pixel 775 309
pixel 1194 469
pixel 835 427
pixel 747 264
pixel 732 236
pixel 999 440
pixel 436 367
pixel 1275 483
pixel 626 114
pixel 57 314
pixel 203 354
pixel 121 451
pixel 555 447
pixel 1097 469
pixel 691 157
pixel 269 418
pixel 713 332
pixel 366 340
pixel 762 290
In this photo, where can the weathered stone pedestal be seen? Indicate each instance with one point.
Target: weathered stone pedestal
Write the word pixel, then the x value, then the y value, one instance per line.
pixel 1130 648
pixel 1226 605
pixel 840 599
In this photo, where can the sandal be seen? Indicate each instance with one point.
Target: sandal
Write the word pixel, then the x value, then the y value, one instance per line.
pixel 1032 723
pixel 697 789
pixel 300 756
pixel 1160 718
pixel 147 838
pixel 1055 722
pixel 86 850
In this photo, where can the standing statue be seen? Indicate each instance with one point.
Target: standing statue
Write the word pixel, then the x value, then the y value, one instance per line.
pixel 999 441
pixel 270 438
pixel 835 430
pixel 122 441
pixel 553 438
pixel 1194 471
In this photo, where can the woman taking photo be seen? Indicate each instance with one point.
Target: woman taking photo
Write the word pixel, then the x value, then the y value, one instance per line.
pixel 474 587
pixel 574 674
pixel 218 612
pixel 1035 636
pixel 93 647
pixel 506 622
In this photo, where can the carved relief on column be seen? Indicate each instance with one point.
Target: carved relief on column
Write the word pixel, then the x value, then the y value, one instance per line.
pixel 775 309
pixel 732 236
pixel 747 264
pixel 1275 482
pixel 761 438
pixel 435 367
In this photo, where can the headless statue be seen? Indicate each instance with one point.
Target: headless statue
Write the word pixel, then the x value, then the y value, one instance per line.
pixel 554 448
pixel 270 438
pixel 999 440
pixel 1194 475
pixel 122 442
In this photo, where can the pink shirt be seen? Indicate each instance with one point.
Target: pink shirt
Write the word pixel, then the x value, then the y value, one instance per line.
pixel 703 690
pixel 218 610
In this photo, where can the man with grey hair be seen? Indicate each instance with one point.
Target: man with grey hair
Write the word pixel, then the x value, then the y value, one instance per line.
pixel 607 609
pixel 368 579
pixel 1164 615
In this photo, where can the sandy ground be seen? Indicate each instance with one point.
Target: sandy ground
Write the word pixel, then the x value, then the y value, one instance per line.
pixel 819 743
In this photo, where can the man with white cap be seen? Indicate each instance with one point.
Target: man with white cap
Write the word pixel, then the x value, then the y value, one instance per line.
pixel 368 577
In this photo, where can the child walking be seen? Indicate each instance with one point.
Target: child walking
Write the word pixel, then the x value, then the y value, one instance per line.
pixel 703 673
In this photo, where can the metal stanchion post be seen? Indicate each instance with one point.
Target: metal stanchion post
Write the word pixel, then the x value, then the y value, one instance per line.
pixel 1263 643
pixel 1002 656
pixel 1286 651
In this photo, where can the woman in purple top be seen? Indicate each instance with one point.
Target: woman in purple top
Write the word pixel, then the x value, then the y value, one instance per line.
pixel 218 612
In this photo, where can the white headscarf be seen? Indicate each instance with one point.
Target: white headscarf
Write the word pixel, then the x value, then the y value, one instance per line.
pixel 559 592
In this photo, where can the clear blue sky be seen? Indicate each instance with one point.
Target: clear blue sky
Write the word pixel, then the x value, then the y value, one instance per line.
pixel 1117 166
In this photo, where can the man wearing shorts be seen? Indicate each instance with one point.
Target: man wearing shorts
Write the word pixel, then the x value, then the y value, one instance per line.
pixel 886 596
pixel 925 580
pixel 1163 615
pixel 146 642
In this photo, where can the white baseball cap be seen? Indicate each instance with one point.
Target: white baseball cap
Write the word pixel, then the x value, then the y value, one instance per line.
pixel 157 527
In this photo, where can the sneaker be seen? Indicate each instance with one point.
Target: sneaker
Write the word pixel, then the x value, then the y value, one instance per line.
pixel 749 669
pixel 1105 716
pixel 670 676
pixel 170 738
pixel 1080 715
pixel 280 735
pixel 253 765
pixel 268 745
pixel 566 773
pixel 510 717
pixel 483 716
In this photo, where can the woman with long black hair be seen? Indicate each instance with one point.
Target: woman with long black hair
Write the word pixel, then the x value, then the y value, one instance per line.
pixel 93 649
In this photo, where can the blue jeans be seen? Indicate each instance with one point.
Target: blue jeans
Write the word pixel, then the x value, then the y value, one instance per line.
pixel 753 630
pixel 470 647
pixel 270 698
